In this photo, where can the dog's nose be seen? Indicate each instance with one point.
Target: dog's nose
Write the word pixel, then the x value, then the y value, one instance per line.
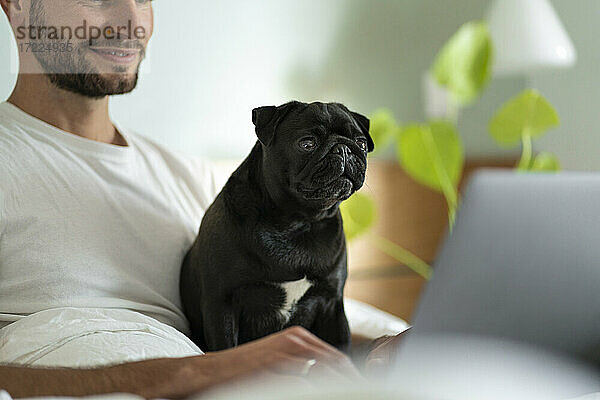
pixel 341 149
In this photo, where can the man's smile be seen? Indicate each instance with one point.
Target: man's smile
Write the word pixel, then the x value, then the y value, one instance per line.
pixel 117 54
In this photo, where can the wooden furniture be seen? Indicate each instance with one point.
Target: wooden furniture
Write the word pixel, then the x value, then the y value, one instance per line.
pixel 410 215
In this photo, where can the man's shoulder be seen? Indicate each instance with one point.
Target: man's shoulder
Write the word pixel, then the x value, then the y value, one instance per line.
pixel 11 142
pixel 7 125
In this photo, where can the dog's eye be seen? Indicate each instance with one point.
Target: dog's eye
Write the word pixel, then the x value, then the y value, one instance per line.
pixel 307 144
pixel 362 143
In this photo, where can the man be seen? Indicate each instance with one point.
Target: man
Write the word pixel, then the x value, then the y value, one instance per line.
pixel 94 216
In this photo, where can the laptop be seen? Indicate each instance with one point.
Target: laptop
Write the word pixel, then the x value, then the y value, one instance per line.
pixel 517 281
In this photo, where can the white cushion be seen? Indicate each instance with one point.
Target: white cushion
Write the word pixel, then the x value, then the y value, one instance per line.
pixel 371 322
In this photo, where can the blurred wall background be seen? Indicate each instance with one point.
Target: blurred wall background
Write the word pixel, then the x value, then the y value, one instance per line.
pixel 210 63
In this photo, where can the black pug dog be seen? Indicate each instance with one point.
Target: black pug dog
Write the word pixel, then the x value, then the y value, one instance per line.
pixel 271 250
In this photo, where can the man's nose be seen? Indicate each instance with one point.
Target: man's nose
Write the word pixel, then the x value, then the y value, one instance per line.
pixel 126 13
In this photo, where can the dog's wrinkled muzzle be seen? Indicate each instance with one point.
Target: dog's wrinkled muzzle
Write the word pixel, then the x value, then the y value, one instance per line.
pixel 336 176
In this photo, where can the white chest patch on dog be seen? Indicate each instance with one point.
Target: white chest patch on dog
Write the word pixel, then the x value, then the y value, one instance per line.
pixel 294 290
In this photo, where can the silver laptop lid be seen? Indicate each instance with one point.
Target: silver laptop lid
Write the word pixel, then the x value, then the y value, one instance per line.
pixel 522 263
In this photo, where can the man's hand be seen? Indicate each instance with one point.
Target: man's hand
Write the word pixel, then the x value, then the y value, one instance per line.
pixel 294 352
pixel 383 352
pixel 285 354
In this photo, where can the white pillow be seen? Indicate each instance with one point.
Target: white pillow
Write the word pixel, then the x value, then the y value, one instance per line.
pixel 371 322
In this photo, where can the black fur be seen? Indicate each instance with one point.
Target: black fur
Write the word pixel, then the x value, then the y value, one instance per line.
pixel 277 220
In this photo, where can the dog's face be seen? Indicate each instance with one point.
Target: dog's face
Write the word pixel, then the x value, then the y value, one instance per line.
pixel 315 154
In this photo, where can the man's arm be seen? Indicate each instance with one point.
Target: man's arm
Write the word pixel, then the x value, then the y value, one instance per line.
pixel 285 352
pixel 129 378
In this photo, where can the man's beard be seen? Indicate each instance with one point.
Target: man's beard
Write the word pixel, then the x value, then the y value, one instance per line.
pixel 71 71
pixel 84 80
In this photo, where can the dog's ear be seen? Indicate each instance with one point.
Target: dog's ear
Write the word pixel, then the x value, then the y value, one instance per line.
pixel 266 119
pixel 364 124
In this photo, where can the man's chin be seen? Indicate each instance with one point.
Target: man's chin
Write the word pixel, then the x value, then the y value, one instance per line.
pixel 95 85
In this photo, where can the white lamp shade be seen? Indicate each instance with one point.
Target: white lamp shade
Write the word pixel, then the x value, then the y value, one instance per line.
pixel 528 36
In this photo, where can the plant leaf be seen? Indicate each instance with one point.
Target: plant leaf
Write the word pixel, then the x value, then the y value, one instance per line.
pixel 463 65
pixel 528 113
pixel 358 215
pixel 383 129
pixel 432 154
pixel 546 162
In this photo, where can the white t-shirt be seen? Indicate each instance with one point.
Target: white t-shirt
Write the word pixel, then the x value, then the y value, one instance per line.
pixel 91 224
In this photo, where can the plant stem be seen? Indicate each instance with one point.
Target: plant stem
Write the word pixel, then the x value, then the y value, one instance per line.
pixel 450 193
pixel 402 255
pixel 525 160
pixel 453 109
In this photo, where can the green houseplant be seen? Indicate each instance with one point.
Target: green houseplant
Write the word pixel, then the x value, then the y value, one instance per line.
pixel 431 152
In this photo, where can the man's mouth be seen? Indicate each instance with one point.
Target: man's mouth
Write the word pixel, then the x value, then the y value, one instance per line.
pixel 116 54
